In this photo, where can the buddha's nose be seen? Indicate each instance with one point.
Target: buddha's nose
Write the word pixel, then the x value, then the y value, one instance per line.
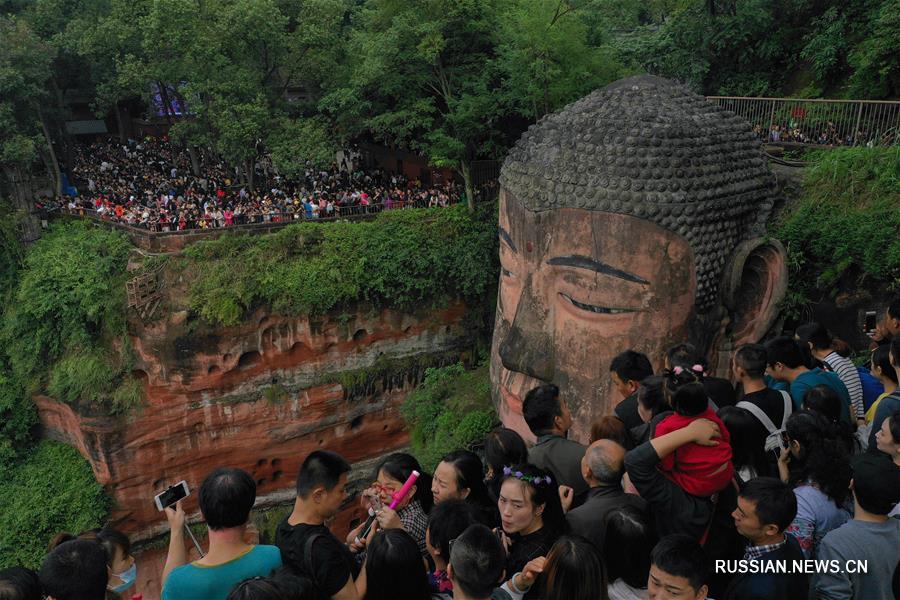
pixel 528 347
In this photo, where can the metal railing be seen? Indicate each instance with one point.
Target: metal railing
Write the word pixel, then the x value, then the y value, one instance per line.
pixel 816 121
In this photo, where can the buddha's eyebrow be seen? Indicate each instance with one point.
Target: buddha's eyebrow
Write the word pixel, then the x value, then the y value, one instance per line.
pixel 584 262
pixel 504 235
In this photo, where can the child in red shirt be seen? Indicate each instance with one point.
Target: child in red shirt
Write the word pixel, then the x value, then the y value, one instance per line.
pixel 698 470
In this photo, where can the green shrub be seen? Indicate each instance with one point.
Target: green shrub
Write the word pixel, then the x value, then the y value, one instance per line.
pixel 402 259
pixel 52 490
pixel 66 308
pixel 70 296
pixel 18 415
pixel 11 250
pixel 127 396
pixel 451 409
pixel 81 376
pixel 843 230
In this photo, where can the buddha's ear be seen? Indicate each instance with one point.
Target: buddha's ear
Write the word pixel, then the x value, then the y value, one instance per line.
pixel 754 284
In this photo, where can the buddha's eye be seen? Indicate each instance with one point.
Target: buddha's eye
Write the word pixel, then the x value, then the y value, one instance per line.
pixel 593 308
pixel 506 272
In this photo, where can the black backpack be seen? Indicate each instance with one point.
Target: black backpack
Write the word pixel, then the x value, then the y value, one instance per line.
pixel 309 570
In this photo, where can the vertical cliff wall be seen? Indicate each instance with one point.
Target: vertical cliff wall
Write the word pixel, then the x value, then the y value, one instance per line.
pixel 259 396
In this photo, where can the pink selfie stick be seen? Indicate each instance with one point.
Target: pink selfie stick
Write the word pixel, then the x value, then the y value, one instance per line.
pixel 398 497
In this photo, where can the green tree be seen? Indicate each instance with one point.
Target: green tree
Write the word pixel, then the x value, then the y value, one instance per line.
pixel 876 60
pixel 546 57
pixel 70 295
pixel 53 490
pixel 24 132
pixel 446 78
pixel 423 77
pixel 297 140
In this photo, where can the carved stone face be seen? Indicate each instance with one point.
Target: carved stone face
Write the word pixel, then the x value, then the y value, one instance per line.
pixel 577 287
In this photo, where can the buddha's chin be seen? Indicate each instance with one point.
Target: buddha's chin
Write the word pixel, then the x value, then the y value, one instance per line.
pixel 512 389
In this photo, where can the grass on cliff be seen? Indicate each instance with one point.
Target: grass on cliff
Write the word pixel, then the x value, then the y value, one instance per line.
pixel 451 409
pixel 51 491
pixel 403 259
pixel 843 231
pixel 63 329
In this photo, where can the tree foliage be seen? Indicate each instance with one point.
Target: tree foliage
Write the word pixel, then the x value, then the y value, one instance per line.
pixel 51 491
pixel 403 259
pixel 842 233
pixel 24 72
pixel 444 77
pixel 451 409
pixel 67 313
pixel 766 47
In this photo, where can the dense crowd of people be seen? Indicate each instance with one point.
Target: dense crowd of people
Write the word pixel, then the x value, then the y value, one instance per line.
pixel 826 134
pixel 150 184
pixel 781 482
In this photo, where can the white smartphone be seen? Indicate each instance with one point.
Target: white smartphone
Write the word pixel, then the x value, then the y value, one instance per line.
pixel 172 495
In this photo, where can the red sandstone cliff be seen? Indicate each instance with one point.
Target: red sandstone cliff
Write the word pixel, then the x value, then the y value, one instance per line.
pixel 259 396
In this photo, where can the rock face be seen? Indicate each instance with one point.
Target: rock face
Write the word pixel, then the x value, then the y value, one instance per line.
pixel 259 396
pixel 633 218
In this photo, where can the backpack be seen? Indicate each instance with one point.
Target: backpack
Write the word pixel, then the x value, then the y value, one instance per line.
pixel 309 568
pixel 773 440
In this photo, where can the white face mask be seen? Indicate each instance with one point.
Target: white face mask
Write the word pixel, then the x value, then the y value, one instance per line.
pixel 128 577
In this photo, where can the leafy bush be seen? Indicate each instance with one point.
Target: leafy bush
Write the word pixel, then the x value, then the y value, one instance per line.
pixel 66 309
pixel 70 297
pixel 765 48
pixel 80 376
pixel 451 409
pixel 11 250
pixel 18 415
pixel 845 225
pixel 53 490
pixel 402 259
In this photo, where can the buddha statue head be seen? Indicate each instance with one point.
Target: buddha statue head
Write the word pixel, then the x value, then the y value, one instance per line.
pixel 631 219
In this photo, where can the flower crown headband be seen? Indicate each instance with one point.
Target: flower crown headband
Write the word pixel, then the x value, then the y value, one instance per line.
pixel 533 480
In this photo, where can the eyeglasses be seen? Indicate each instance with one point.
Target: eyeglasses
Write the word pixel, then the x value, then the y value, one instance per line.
pixel 384 489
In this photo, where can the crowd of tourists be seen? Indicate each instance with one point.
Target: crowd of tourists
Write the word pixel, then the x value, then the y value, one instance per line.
pixel 780 482
pixel 826 134
pixel 150 184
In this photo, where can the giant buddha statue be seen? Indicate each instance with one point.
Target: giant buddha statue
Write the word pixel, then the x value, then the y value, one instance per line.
pixel 633 218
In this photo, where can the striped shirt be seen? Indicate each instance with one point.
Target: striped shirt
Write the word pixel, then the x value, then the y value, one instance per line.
pixel 846 370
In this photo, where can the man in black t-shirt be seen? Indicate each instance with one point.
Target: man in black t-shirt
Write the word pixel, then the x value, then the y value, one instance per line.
pixel 307 547
pixel 627 370
pixel 749 367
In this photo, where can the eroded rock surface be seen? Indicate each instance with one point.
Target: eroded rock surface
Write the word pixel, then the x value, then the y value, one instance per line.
pixel 259 396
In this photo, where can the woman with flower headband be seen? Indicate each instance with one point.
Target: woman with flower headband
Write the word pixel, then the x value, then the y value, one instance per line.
pixel 531 515
pixel 698 470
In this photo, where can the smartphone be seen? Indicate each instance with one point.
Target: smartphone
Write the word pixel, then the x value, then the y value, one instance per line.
pixel 870 323
pixel 172 495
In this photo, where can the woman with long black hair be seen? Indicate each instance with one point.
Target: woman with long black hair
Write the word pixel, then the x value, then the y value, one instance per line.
pixel 460 476
pixel 411 513
pixel 816 464
pixel 531 515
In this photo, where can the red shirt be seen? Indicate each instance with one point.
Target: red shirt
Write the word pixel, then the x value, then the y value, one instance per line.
pixel 698 470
